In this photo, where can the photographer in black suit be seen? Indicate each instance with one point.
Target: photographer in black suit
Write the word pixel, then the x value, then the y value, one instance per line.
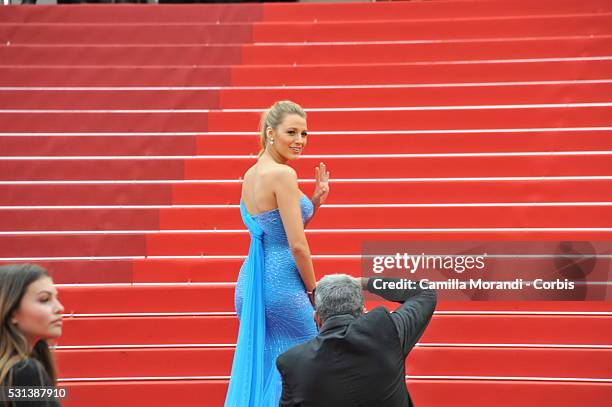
pixel 357 359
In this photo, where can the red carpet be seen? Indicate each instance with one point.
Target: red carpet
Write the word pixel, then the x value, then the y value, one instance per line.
pixel 124 131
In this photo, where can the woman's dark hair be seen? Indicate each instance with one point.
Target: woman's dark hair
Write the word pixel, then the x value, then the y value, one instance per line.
pixel 14 348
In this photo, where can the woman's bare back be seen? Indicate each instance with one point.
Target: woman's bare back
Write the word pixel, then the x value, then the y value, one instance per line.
pixel 258 187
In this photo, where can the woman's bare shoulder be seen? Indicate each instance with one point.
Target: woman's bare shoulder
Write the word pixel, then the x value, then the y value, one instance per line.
pixel 249 175
pixel 248 172
pixel 271 171
pixel 282 171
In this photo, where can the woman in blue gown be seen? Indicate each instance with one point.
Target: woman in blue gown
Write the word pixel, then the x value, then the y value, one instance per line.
pixel 273 293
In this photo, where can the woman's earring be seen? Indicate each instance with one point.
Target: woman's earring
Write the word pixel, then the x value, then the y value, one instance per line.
pixel 271 141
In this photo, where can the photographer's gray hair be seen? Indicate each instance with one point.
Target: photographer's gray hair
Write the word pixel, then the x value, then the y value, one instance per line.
pixel 338 294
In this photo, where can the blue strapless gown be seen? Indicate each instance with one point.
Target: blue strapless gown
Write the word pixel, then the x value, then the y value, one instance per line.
pixel 274 310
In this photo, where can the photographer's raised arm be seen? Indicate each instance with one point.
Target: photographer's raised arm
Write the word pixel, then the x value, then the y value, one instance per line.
pixel 410 318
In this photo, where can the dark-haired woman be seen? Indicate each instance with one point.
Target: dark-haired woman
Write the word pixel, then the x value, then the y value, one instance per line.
pixel 31 314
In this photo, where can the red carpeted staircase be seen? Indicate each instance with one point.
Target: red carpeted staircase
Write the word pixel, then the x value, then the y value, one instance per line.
pixel 124 131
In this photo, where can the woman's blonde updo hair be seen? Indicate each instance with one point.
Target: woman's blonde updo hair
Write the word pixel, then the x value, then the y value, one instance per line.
pixel 274 116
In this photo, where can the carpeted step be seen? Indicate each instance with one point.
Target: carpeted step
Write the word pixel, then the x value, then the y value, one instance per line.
pixel 137 13
pixel 357 119
pixel 210 297
pixel 537 69
pixel 119 219
pixel 300 12
pixel 423 361
pixel 321 144
pixel 344 192
pixel 210 269
pixel 428 10
pixel 312 99
pixel 306 54
pixel 367 30
pixel 459 329
pixel 381 167
pixel 216 243
pixel 430 392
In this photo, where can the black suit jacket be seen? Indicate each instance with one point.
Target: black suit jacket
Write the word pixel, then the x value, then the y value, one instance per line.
pixel 358 362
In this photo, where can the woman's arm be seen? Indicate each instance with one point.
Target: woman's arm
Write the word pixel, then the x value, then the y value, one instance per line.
pixel 288 201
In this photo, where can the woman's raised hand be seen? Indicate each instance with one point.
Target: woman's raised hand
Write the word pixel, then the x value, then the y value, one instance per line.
pixel 321 184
